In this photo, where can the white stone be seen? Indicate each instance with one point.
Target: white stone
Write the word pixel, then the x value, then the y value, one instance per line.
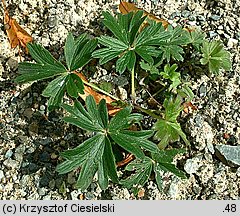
pixel 1 174
pixel 232 42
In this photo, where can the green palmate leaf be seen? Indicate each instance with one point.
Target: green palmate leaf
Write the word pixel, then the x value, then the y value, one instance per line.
pixel 149 67
pixel 186 92
pixel 131 147
pixel 83 56
pixel 91 164
pixel 164 163
pixel 42 56
pixel 113 25
pixel 79 118
pixel 196 38
pixel 55 91
pixel 119 120
pixel 68 49
pixel 47 66
pixel 142 168
pixel 131 41
pixel 171 74
pixel 161 162
pixel 171 48
pixel 95 155
pixel 34 72
pixel 168 129
pixel 215 56
pixel 77 54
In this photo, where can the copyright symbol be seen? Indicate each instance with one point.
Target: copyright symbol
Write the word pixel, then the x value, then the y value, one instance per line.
pixel 9 209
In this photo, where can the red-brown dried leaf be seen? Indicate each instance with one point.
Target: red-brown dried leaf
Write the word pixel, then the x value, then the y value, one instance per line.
pixel 16 34
pixel 98 96
pixel 126 7
pixel 187 106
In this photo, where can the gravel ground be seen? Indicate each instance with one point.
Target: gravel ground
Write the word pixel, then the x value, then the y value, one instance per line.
pixel 30 143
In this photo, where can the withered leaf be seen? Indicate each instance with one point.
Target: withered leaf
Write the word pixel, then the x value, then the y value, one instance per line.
pixel 187 106
pixel 98 96
pixel 16 34
pixel 126 7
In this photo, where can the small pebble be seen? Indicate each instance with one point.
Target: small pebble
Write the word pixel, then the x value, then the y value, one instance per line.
pixel 212 34
pixel 9 153
pixel 232 42
pixel 186 14
pixel 201 18
pixel 202 91
pixel 1 174
pixel 215 17
pixel 42 107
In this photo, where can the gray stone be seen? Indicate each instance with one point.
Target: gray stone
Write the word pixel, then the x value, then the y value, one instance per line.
pixel 45 141
pixel 212 34
pixel 28 113
pixel 192 165
pixel 186 13
pixel 215 17
pixel 10 163
pixel 230 153
pixel 202 91
pixel 201 18
pixel 9 153
pixel 232 42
